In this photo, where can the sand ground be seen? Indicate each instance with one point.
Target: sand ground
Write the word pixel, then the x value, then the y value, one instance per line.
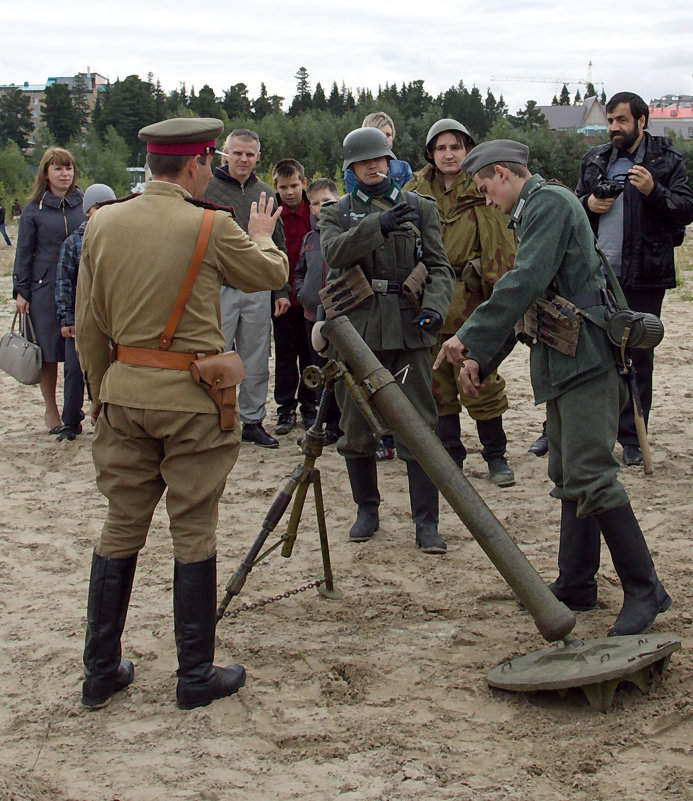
pixel 379 696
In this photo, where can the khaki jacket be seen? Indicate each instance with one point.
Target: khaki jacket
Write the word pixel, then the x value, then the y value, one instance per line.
pixel 134 258
pixel 470 230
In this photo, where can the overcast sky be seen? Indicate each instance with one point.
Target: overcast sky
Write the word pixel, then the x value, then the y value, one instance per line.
pixel 641 45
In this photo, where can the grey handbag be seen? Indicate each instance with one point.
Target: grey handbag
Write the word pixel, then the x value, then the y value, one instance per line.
pixel 21 357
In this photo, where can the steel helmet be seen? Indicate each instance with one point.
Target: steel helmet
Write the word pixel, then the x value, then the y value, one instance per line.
pixel 440 127
pixel 363 144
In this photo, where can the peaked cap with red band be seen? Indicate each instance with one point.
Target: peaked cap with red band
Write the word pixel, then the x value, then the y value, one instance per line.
pixel 182 136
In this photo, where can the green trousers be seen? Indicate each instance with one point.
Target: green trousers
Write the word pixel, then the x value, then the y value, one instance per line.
pixel 581 426
pixel 358 439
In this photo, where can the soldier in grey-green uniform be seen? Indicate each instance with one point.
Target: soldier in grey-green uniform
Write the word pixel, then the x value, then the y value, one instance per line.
pixel 386 236
pixel 156 429
pixel 583 393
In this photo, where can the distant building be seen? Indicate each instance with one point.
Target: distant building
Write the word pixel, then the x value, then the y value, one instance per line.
pixel 671 115
pixel 588 119
pixel 93 81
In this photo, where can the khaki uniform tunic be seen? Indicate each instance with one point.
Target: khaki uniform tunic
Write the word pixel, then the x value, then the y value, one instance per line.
pixel 470 230
pixel 158 429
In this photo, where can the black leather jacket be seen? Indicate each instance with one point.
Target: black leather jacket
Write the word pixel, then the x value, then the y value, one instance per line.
pixel 653 225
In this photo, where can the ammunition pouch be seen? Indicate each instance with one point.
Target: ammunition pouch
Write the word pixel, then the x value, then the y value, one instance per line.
pixel 414 284
pixel 470 276
pixel 345 293
pixel 554 322
pixel 218 375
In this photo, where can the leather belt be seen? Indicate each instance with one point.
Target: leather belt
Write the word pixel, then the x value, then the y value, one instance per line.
pixel 152 357
pixel 384 287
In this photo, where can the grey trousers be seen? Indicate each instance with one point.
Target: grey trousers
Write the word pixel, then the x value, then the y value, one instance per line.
pixel 245 323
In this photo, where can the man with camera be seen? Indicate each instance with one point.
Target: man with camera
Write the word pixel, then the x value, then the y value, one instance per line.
pixel 638 200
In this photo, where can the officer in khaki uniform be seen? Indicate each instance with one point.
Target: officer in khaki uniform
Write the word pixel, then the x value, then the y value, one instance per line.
pixel 583 393
pixel 386 237
pixel 481 249
pixel 157 430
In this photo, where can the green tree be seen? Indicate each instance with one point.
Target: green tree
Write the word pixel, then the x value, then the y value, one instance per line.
pixel 105 162
pixel 206 104
pixel 578 98
pixel 16 175
pixel 59 114
pixel 531 116
pixel 564 99
pixel 127 106
pixel 302 99
pixel 590 91
pixel 261 105
pixel 335 102
pixel 80 100
pixel 235 101
pixel 319 99
pixel 16 123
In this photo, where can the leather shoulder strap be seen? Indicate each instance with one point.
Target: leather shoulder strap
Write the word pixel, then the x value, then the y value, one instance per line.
pixel 190 276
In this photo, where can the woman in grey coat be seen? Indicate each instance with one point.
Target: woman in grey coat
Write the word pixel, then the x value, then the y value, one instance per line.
pixel 53 211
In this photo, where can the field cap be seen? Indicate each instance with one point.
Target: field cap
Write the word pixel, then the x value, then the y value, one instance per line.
pixel 491 152
pixel 182 136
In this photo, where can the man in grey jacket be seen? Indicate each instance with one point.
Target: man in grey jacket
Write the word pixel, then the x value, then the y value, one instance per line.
pixel 246 317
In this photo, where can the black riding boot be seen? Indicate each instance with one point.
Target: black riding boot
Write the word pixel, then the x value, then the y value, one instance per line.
pixel 363 477
pixel 105 672
pixel 578 560
pixel 448 432
pixel 194 614
pixel 494 442
pixel 644 597
pixel 423 495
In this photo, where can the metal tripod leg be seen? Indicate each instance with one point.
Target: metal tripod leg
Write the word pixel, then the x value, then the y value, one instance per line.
pixel 296 485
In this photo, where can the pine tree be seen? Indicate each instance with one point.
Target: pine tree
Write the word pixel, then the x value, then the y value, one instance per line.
pixel 16 122
pixel 335 102
pixel 319 99
pixel 302 99
pixel 564 99
pixel 578 98
pixel 59 114
pixel 262 105
pixel 80 100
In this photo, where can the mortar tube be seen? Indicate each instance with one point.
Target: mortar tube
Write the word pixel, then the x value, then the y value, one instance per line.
pixel 552 618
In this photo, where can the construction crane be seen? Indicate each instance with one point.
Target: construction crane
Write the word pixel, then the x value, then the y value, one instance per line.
pixel 518 79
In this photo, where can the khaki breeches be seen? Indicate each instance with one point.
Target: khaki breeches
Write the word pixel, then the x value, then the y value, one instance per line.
pixel 140 453
pixel 492 401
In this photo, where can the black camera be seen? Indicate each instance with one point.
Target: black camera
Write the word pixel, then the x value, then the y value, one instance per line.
pixel 607 188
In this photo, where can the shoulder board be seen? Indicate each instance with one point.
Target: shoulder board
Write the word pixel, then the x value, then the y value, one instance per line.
pixel 207 204
pixel 556 182
pixel 103 203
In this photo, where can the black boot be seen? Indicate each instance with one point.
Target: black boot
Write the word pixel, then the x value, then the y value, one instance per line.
pixel 363 477
pixel 494 442
pixel 194 614
pixel 540 446
pixel 578 560
pixel 105 673
pixel 448 432
pixel 643 595
pixel 423 495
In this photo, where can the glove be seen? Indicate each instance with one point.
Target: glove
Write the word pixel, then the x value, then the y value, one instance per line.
pixel 429 320
pixel 394 219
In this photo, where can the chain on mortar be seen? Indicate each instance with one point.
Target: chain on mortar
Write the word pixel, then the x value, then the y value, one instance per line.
pixel 266 601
